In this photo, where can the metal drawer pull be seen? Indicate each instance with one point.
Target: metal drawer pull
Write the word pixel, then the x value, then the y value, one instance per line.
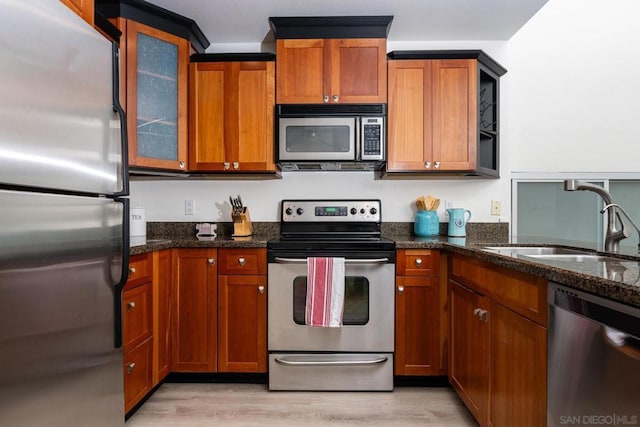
pixel 347 261
pixel 130 367
pixel 418 262
pixel 241 261
pixel 477 312
pixel 132 270
pixel 211 261
pixel 261 289
pixel 130 305
pixel 400 289
pixel 289 362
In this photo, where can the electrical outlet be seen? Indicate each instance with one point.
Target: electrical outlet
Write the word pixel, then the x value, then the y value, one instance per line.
pixel 189 207
pixel 496 207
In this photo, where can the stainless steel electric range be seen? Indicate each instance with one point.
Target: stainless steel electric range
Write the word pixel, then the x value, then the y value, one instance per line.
pixel 359 354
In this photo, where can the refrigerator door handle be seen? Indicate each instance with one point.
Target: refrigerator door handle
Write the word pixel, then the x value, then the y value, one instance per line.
pixel 124 275
pixel 117 107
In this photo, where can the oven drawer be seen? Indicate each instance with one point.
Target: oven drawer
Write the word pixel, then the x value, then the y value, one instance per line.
pixel 337 371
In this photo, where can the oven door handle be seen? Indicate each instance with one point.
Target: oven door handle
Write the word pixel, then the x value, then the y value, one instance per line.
pixel 347 261
pixel 356 362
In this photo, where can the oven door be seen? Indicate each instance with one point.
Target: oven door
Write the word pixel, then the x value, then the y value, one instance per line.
pixel 368 319
pixel 317 138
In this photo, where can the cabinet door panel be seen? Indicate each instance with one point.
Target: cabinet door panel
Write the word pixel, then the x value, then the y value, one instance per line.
pixel 137 373
pixel 358 70
pixel 242 329
pixel 469 352
pixel 410 122
pixel 207 116
pixel 455 114
pixel 417 326
pixel 156 97
pixel 256 88
pixel 136 315
pixel 300 70
pixel 518 369
pixel 161 313
pixel 194 308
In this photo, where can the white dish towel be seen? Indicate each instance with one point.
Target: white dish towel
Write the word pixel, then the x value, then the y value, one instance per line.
pixel 325 292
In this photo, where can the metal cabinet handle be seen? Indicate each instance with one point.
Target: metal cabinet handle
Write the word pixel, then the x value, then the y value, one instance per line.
pixel 427 165
pixel 477 312
pixel 211 261
pixel 131 305
pixel 236 165
pixel 485 315
pixel 226 165
pixel 261 289
pixel 241 261
pixel 132 270
pixel 335 98
pixel 418 262
pixel 130 367
pixel 325 98
pixel 436 165
pixel 182 165
pixel 400 290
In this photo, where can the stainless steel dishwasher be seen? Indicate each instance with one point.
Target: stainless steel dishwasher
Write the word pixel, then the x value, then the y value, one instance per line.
pixel 593 373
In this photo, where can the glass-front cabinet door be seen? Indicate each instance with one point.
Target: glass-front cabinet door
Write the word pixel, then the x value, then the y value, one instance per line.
pixel 156 64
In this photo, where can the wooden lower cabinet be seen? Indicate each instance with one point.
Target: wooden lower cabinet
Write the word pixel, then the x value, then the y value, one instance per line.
pixel 161 314
pixel 469 350
pixel 419 343
pixel 498 356
pixel 242 323
pixel 193 315
pixel 137 373
pixel 137 331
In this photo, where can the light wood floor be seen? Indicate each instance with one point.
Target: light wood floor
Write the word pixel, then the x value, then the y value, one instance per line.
pixel 196 405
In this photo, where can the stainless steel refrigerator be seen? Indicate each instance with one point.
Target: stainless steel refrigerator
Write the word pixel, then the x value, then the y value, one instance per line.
pixel 63 220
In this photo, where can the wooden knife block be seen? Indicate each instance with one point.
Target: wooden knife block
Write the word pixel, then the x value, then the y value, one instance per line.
pixel 242 224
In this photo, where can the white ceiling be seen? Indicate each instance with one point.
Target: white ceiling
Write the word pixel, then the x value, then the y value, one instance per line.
pixel 246 21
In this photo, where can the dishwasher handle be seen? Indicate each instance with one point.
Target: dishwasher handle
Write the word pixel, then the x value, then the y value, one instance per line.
pixel 622 342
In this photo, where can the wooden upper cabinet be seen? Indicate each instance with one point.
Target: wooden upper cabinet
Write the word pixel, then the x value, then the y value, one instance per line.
pixel 331 71
pixel 231 116
pixel 156 96
pixel 84 8
pixel 432 115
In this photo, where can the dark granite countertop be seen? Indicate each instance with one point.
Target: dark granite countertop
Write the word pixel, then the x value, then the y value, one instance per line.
pixel 618 280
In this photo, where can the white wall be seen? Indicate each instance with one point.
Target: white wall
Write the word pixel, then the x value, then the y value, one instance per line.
pixel 574 86
pixel 567 104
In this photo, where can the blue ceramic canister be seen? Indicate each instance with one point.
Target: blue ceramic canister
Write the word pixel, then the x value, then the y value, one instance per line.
pixel 426 223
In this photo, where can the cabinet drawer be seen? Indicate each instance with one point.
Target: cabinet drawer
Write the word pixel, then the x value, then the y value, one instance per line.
pixel 137 373
pixel 140 269
pixel 242 261
pixel 417 262
pixel 521 292
pixel 136 315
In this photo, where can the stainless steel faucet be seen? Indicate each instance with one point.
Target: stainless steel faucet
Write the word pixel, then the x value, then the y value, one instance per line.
pixel 614 234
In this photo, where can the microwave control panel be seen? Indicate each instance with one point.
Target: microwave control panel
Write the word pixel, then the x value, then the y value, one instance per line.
pixel 372 132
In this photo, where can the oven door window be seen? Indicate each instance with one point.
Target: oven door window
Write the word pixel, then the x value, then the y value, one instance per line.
pixel 318 139
pixel 356 300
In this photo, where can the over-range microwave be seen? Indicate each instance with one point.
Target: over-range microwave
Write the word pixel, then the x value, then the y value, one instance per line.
pixel 331 137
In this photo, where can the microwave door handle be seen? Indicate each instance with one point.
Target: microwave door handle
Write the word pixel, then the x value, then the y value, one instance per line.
pixel 358 141
pixel 385 260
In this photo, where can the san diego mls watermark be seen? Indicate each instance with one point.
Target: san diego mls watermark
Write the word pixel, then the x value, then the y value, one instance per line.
pixel 599 420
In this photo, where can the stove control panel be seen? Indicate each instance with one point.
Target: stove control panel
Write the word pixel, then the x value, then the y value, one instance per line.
pixel 345 210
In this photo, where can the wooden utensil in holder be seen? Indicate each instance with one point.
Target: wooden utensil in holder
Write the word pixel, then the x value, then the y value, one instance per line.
pixel 242 226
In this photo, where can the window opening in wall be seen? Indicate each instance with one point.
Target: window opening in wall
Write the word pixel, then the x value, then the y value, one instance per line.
pixel 542 209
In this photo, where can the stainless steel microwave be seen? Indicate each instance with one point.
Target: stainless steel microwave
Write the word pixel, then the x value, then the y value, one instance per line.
pixel 331 137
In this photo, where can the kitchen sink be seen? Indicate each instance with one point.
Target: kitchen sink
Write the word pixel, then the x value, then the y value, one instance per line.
pixel 575 257
pixel 515 251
